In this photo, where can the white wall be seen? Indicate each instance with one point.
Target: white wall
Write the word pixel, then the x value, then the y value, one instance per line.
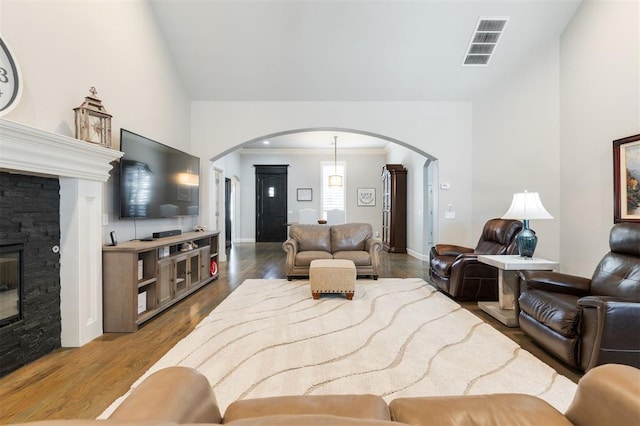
pixel 363 171
pixel 599 102
pixel 231 166
pixel 440 129
pixel 563 110
pixel 516 147
pixel 550 128
pixel 416 193
pixel 65 47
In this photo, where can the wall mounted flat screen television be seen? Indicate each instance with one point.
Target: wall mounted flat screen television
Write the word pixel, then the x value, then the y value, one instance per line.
pixel 156 181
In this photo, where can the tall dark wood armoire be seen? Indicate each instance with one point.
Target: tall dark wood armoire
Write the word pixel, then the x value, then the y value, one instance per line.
pixel 394 208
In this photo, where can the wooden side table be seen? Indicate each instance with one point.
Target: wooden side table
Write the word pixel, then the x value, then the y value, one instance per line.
pixel 504 310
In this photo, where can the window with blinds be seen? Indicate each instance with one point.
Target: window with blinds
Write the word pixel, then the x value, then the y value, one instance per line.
pixel 332 197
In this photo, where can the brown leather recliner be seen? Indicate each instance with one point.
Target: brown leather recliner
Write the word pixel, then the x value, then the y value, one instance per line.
pixel 457 271
pixel 588 322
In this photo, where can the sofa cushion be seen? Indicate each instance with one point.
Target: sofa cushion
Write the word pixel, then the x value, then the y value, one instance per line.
pixel 617 275
pixel 557 311
pixel 350 236
pixel 477 410
pixel 311 420
pixel 363 406
pixel 496 235
pixel 304 258
pixel 359 258
pixel 311 237
pixel 109 422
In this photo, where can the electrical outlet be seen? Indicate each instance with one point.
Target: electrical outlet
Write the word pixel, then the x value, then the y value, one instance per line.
pixel 449 215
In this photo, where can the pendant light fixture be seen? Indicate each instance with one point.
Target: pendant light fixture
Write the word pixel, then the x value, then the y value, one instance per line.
pixel 335 180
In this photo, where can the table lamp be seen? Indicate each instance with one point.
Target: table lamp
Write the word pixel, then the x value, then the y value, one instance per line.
pixel 525 206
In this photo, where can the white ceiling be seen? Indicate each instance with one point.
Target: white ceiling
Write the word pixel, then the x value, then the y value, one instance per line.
pixel 353 50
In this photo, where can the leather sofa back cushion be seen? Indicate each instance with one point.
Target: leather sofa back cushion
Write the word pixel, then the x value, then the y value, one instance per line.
pixel 497 234
pixel 490 247
pixel 311 237
pixel 617 275
pixel 486 410
pixel 364 406
pixel 311 420
pixel 279 420
pixel 624 238
pixel 500 231
pixel 350 236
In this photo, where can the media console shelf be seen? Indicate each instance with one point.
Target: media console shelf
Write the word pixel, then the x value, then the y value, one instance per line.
pixel 143 278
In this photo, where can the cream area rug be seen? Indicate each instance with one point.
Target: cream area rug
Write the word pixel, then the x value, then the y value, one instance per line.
pixel 396 338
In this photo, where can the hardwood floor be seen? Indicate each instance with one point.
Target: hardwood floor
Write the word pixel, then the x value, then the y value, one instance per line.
pixel 83 382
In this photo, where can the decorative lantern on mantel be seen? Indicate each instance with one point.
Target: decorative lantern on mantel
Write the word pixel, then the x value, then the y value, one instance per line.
pixel 93 123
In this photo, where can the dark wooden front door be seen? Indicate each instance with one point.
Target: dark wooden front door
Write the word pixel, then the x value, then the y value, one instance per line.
pixel 271 203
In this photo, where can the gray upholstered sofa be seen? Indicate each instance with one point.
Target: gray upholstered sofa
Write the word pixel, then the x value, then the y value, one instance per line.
pixel 350 241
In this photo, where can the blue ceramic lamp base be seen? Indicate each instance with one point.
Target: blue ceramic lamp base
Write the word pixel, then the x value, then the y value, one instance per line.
pixel 526 241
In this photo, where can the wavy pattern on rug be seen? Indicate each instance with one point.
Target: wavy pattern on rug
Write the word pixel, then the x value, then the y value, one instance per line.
pixel 397 337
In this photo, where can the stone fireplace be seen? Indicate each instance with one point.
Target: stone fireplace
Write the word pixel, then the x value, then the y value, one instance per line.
pixel 60 230
pixel 29 269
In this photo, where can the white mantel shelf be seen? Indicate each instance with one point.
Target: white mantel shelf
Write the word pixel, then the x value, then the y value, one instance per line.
pixel 35 151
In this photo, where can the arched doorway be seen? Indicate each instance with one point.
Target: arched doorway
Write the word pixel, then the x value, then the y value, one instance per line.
pixel 424 178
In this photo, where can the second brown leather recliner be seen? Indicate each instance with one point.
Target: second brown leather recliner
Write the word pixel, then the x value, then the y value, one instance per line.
pixel 587 322
pixel 456 270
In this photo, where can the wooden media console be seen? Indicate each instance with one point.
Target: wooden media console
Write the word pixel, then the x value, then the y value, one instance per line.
pixel 143 278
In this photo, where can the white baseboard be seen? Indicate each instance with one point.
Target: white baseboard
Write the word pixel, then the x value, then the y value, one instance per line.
pixel 417 255
pixel 245 240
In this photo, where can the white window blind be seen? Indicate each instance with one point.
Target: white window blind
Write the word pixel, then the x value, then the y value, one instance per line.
pixel 332 197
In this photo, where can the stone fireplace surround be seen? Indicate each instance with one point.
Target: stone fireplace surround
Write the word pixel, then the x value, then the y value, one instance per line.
pixel 82 169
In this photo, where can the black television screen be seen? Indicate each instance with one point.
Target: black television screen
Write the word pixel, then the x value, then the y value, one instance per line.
pixel 156 181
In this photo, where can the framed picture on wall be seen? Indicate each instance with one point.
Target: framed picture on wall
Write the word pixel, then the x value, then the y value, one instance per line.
pixel 626 179
pixel 366 196
pixel 305 194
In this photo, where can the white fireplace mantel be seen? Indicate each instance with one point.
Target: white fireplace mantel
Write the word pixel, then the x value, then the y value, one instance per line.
pixel 25 148
pixel 82 168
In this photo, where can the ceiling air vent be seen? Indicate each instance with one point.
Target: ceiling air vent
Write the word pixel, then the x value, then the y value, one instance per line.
pixel 484 41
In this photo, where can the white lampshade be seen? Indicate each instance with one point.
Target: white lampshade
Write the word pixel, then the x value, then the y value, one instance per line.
pixel 526 205
pixel 335 180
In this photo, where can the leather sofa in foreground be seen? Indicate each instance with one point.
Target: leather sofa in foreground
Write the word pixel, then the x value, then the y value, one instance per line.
pixel 606 395
pixel 349 241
